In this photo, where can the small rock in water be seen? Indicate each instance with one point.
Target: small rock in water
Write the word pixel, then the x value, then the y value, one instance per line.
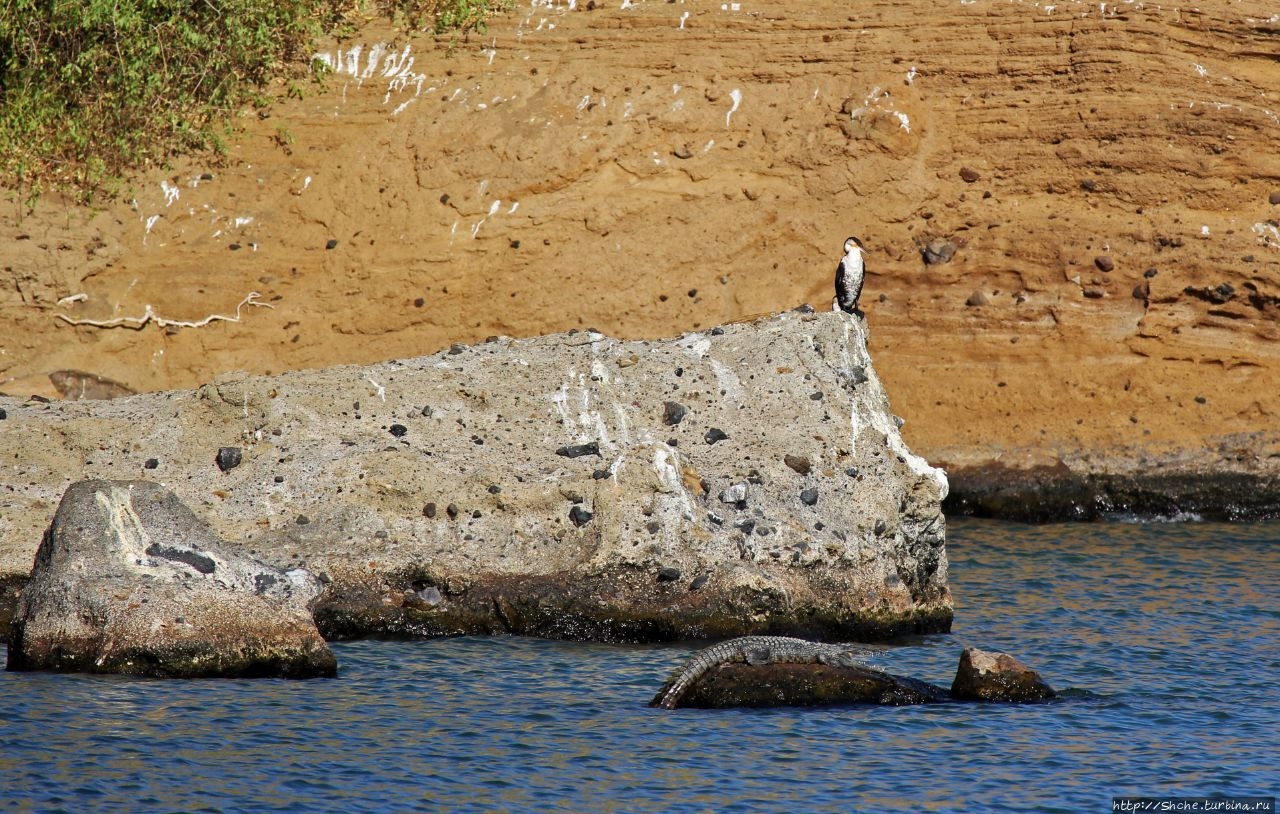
pixel 984 676
pixel 229 458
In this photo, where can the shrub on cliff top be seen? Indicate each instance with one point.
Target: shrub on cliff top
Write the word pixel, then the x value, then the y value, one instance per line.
pixel 90 89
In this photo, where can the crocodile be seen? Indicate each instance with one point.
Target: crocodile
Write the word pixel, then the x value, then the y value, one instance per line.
pixel 757 650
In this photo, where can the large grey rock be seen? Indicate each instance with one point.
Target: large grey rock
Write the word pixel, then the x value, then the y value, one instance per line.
pixel 544 486
pixel 128 580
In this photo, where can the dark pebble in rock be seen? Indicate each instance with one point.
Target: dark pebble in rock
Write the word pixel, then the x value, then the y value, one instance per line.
pixel 699 581
pixel 652 526
pixel 668 574
pixel 881 527
pixel 1224 292
pixel 1274 198
pixel 229 458
pixel 715 434
pixel 852 471
pixel 799 463
pixel 809 497
pixel 938 251
pixel 1142 291
pixel 1201 400
pixel 815 396
pixel 717 331
pixel 302 520
pixel 806 308
pixel 976 299
pixel 1093 293
pixel 682 152
pixel 331 244
pixel 476 515
pixel 673 413
pixel 278 479
pixel 1104 263
pixel 206 176
pixel 3 414
pixel 969 174
pixel 151 463
pixel 1088 185
pixel 494 488
pixel 235 247
pixel 515 244
pixel 429 510
pixel 600 474
pixel 580 516
pixel 673 442
pixel 452 511
pixel 578 450
pixel 456 348
pixel 398 430
pixel 1151 272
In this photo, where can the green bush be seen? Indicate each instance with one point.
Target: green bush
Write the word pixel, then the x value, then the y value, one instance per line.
pixel 90 89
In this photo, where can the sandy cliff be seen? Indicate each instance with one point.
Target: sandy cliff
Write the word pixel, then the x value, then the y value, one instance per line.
pixel 1102 178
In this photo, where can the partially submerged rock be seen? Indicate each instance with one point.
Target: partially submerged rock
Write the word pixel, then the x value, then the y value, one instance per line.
pixel 546 486
pixel 129 580
pixel 805 685
pixel 984 676
pixel 769 671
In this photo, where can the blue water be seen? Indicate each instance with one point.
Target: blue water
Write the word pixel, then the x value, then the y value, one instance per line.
pixel 1166 638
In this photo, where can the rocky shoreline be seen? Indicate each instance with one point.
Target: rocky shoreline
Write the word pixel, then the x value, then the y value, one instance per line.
pixel 1056 493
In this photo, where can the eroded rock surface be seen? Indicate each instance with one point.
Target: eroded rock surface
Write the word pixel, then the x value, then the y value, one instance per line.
pixel 129 580
pixel 545 486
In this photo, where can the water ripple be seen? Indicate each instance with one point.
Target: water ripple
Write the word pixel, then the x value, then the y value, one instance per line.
pixel 1163 636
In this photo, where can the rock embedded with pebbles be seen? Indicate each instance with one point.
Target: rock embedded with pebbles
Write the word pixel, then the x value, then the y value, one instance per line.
pixel 129 580
pixel 563 427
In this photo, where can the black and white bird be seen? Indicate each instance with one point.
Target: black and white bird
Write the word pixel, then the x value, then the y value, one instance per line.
pixel 849 276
